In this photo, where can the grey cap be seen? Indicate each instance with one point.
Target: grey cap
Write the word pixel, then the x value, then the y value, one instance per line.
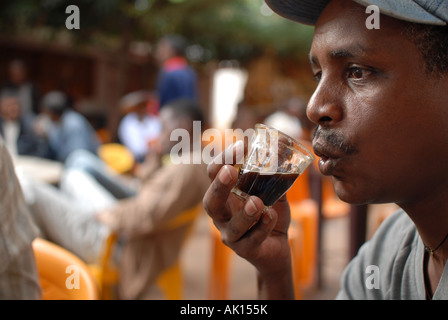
pixel 434 12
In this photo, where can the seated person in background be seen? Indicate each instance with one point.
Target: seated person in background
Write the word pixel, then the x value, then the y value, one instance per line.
pixel 68 130
pixel 19 81
pixel 19 278
pixel 17 129
pixel 286 119
pixel 140 126
pixel 83 213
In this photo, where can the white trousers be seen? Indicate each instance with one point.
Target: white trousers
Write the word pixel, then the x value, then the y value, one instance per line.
pixel 66 216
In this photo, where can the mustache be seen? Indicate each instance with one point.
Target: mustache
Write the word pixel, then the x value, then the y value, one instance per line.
pixel 335 140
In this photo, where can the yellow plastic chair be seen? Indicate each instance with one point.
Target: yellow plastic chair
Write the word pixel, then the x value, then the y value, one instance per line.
pixel 170 281
pixel 117 157
pixel 62 275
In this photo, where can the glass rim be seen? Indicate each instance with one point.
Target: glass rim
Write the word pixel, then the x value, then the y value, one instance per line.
pixel 302 147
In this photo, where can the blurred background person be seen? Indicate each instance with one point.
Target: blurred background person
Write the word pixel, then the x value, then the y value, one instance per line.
pixel 81 215
pixel 68 130
pixel 140 126
pixel 17 128
pixel 27 92
pixel 291 118
pixel 176 79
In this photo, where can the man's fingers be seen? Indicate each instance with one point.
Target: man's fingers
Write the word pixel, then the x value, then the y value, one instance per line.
pixel 263 229
pixel 252 245
pixel 233 154
pixel 242 221
pixel 215 199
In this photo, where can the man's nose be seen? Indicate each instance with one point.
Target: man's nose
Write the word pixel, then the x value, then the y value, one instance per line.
pixel 324 107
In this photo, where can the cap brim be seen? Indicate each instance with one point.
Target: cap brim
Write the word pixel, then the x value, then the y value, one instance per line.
pixel 308 11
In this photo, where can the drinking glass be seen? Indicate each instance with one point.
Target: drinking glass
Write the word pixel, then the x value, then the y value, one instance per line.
pixel 273 162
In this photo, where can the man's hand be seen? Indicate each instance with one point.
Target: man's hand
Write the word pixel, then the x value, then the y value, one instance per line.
pixel 254 232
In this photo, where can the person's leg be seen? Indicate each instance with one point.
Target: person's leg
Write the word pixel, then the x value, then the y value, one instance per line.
pixel 90 163
pixel 64 221
pixel 85 190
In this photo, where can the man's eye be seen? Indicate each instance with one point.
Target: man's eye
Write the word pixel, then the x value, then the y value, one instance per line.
pixel 356 73
pixel 317 76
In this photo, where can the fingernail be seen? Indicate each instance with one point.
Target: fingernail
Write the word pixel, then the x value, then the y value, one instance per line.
pixel 251 208
pixel 267 216
pixel 224 176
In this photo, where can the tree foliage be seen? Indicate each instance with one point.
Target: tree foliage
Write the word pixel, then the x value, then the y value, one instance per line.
pixel 221 29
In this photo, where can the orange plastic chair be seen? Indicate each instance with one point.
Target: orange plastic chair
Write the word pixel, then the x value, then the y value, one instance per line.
pixel 303 237
pixel 62 275
pixel 106 272
pixel 332 206
pixel 220 267
pixel 170 281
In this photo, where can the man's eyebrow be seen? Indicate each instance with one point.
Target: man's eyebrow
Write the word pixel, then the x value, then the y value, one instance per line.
pixel 350 52
pixel 341 53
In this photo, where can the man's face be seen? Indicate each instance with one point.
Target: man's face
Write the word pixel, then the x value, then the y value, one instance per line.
pixel 10 108
pixel 163 51
pixel 169 122
pixel 382 120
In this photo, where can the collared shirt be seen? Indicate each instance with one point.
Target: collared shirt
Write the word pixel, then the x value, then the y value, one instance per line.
pixel 136 134
pixel 11 131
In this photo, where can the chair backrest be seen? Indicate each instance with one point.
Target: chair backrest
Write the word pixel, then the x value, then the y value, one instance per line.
pixel 186 217
pixel 170 281
pixel 63 276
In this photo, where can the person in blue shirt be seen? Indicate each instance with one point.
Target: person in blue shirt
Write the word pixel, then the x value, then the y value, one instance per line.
pixel 69 130
pixel 176 79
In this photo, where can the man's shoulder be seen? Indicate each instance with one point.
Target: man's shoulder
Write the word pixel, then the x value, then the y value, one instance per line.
pixel 396 226
pixel 391 251
pixel 396 233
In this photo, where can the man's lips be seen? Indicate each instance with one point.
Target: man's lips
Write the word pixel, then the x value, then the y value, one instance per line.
pixel 329 156
pixel 331 147
pixel 325 150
